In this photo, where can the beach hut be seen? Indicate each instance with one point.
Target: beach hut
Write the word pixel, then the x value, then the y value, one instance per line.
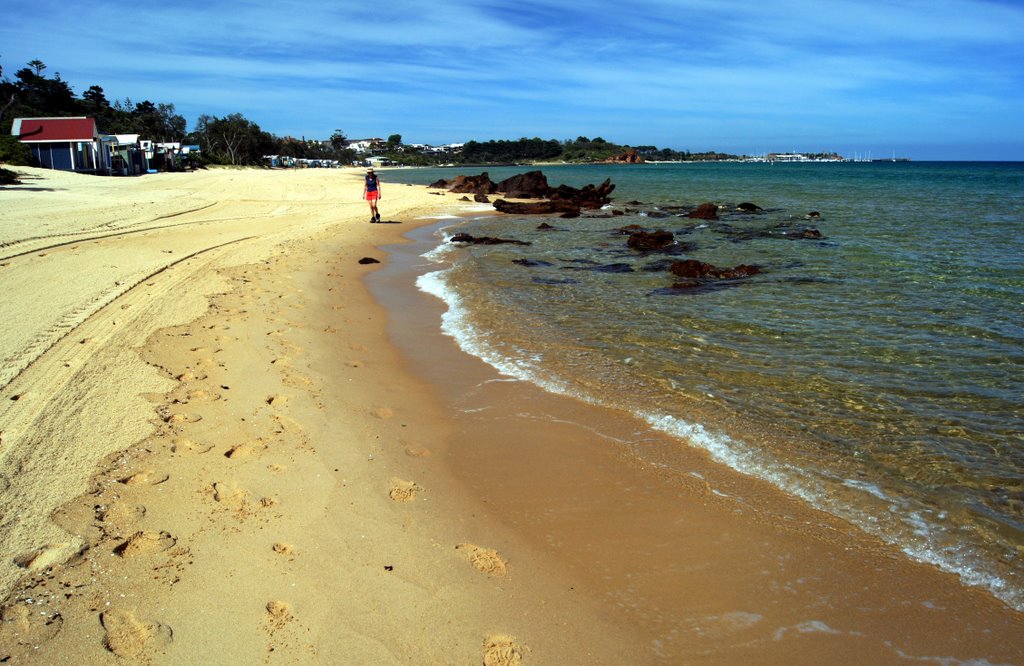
pixel 125 154
pixel 67 144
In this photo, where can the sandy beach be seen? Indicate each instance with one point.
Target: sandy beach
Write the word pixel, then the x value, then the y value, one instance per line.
pixel 224 440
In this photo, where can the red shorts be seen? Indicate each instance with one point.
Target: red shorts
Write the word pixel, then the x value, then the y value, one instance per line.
pixel 372 196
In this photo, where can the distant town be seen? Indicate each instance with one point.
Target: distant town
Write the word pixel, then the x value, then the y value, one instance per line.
pixel 52 127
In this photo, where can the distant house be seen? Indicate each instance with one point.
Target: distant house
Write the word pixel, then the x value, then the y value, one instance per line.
pixel 366 145
pixel 67 144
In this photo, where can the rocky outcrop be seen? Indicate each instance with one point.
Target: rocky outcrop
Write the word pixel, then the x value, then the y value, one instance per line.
pixel 590 196
pixel 529 185
pixel 563 200
pixel 748 207
pixel 550 207
pixel 472 185
pixel 628 157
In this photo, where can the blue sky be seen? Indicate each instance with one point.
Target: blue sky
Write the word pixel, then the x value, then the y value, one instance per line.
pixel 936 79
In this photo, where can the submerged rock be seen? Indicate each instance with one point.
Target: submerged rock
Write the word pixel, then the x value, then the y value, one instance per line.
pixel 551 207
pixel 484 240
pixel 650 241
pixel 705 211
pixel 691 268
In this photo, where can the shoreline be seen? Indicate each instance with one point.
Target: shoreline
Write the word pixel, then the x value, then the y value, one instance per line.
pixel 844 562
pixel 309 487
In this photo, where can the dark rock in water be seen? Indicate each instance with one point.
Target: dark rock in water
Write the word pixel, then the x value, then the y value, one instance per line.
pixel 748 207
pixel 705 211
pixel 553 281
pixel 481 198
pixel 544 226
pixel 658 214
pixel 601 268
pixel 529 185
pixel 616 213
pixel 484 240
pixel 630 229
pixel 465 198
pixel 566 200
pixel 691 268
pixel 812 234
pixel 590 196
pixel 439 185
pixel 813 215
pixel 550 207
pixel 613 268
pixel 644 241
pixel 473 184
pixel 369 260
pixel 531 263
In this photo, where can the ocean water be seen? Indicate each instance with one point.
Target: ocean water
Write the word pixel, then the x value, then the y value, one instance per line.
pixel 877 371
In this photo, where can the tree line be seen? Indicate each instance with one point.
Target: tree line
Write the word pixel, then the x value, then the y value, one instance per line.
pixel 234 139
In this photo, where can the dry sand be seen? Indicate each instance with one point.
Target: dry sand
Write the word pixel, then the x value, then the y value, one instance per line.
pixel 213 452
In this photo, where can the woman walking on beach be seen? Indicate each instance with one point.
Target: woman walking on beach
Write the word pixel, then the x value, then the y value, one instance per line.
pixel 371 192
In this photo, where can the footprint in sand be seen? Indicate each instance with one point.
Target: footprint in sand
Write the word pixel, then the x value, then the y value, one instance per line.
pixel 123 514
pixel 42 558
pixel 177 418
pixel 403 491
pixel 146 478
pixel 416 451
pixel 382 413
pixel 277 400
pixel 185 445
pixel 22 625
pixel 296 380
pixel 228 493
pixel 282 548
pixel 128 637
pixel 485 560
pixel 502 650
pixel 145 543
pixel 201 395
pixel 240 451
pixel 278 615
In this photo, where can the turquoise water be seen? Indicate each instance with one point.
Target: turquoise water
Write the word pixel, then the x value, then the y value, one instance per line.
pixel 875 371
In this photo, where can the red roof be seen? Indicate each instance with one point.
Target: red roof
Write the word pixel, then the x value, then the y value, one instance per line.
pixel 40 130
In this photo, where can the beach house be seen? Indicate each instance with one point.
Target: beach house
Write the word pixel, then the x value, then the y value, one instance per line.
pixel 67 144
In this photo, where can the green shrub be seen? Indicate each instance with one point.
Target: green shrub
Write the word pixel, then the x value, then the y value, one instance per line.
pixel 8 177
pixel 14 152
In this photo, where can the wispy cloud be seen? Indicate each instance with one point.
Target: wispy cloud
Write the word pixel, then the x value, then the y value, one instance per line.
pixel 697 74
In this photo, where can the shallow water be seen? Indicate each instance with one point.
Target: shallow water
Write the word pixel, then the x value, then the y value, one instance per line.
pixel 875 371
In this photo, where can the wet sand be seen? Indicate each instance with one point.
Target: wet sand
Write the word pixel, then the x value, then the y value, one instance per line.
pixel 219 447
